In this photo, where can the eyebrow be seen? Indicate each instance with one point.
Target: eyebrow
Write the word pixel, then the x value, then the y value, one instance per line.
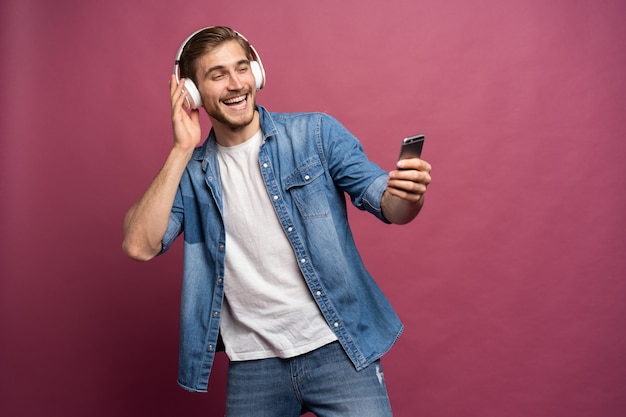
pixel 222 67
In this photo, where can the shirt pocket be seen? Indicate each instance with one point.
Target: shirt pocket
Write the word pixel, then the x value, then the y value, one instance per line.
pixel 306 186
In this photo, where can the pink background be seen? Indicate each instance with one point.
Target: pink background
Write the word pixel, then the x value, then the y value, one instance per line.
pixel 511 283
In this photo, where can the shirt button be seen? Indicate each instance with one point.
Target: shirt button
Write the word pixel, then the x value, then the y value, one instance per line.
pixel 275 197
pixel 303 261
pixel 210 348
pixel 336 324
pixel 290 229
pixel 221 247
pixel 216 314
pixel 265 165
pixel 306 177
pixel 318 293
pixel 220 280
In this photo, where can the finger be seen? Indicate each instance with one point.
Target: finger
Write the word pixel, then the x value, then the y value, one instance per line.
pixel 425 166
pixel 408 163
pixel 408 185
pixel 413 163
pixel 177 89
pixel 173 85
pixel 179 95
pixel 405 195
pixel 410 175
pixel 412 182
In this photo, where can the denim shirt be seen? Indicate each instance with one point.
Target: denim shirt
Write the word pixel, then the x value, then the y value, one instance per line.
pixel 308 161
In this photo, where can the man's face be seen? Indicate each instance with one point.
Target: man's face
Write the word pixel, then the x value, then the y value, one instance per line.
pixel 227 86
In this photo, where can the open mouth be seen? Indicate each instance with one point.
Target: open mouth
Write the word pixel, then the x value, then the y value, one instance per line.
pixel 237 102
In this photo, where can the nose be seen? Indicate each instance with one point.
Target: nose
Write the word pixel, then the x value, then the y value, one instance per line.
pixel 235 82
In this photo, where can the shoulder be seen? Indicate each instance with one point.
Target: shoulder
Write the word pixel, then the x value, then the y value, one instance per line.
pixel 294 117
pixel 297 117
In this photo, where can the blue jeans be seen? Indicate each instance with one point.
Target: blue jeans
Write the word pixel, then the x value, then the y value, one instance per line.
pixel 323 382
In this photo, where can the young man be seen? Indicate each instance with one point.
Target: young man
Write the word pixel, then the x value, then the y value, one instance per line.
pixel 271 271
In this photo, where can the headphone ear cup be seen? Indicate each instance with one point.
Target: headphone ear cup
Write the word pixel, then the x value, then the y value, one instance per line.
pixel 259 76
pixel 193 95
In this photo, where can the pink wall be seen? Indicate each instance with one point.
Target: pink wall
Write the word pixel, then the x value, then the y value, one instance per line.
pixel 511 283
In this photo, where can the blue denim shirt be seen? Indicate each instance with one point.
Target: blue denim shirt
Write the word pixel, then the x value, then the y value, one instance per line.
pixel 308 161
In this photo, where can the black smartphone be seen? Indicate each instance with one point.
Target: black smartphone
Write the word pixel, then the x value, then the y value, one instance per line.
pixel 412 147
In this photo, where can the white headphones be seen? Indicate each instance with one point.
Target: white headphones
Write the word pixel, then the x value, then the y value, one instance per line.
pixel 193 95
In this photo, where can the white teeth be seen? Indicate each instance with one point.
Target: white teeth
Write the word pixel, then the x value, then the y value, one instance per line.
pixel 235 100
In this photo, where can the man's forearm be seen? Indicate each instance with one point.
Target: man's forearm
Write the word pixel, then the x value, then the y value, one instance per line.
pixel 398 210
pixel 146 221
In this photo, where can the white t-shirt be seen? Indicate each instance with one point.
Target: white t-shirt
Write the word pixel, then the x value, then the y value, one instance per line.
pixel 268 310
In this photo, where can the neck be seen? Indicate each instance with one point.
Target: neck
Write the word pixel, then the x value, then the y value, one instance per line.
pixel 228 136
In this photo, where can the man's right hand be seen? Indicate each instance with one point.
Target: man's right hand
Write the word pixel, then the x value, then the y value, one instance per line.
pixel 185 122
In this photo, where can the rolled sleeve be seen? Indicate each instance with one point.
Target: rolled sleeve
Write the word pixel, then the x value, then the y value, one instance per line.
pixel 174 228
pixel 373 196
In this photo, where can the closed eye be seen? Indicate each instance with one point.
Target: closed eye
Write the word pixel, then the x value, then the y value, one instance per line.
pixel 218 72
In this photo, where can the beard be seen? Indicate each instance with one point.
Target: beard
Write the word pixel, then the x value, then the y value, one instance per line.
pixel 234 123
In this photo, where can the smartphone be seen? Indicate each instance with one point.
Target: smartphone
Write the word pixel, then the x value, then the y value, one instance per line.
pixel 412 147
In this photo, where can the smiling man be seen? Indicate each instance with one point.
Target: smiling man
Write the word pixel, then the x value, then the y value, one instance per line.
pixel 271 271
pixel 226 86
